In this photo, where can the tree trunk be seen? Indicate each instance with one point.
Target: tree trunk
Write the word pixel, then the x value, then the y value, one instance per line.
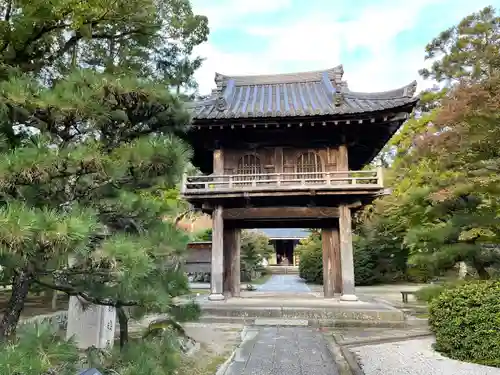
pixel 481 270
pixel 123 321
pixel 20 288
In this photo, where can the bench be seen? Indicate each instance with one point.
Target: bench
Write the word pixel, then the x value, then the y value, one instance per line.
pixel 405 295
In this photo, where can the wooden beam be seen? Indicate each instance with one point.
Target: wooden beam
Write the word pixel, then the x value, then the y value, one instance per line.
pixel 280 213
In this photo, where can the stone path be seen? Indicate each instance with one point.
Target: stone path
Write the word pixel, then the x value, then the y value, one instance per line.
pixel 282 351
pixel 284 283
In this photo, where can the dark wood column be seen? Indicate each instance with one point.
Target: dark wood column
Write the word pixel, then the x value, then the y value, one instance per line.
pixel 218 163
pixel 232 262
pixel 217 274
pixel 343 162
pixel 336 261
pixel 236 263
pixel 328 272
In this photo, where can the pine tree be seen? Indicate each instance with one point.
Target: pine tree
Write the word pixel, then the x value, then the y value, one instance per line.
pixel 89 148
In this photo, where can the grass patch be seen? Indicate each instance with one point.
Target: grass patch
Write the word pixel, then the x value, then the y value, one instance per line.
pixel 203 363
pixel 422 316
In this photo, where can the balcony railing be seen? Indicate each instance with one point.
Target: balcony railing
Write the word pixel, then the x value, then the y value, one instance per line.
pixel 338 180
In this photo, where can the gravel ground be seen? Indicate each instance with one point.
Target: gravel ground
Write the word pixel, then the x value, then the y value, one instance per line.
pixel 413 357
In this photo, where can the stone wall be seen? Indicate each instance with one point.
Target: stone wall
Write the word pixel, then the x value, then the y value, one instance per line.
pixel 198 261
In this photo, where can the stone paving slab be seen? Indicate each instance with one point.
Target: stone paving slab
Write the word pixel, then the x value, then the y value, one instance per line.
pixel 282 351
pixel 413 357
pixel 284 283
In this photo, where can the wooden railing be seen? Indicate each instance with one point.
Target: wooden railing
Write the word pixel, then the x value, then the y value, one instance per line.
pixel 337 180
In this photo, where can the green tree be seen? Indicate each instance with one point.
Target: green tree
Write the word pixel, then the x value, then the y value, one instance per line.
pixel 89 153
pixel 444 203
pixel 255 247
pixel 469 50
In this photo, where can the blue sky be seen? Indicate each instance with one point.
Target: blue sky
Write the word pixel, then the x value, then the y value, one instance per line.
pixel 380 42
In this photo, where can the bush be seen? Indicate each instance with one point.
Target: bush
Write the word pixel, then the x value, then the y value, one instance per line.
pixel 465 320
pixel 38 349
pixel 428 293
pixel 311 264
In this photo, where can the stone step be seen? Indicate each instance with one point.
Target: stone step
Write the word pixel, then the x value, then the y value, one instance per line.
pixel 283 270
pixel 317 312
pixel 251 321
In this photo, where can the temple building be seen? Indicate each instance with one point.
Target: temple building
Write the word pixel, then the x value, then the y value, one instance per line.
pixel 289 151
pixel 284 241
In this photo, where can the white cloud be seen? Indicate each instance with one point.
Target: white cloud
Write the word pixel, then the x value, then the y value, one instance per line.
pixel 226 13
pixel 315 41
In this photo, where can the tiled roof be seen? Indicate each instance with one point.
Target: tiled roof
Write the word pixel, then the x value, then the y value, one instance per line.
pixel 315 93
pixel 285 233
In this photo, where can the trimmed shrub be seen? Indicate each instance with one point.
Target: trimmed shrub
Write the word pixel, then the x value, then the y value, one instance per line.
pixel 466 322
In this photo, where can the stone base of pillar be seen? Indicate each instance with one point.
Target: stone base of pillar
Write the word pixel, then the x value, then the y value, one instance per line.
pixel 216 297
pixel 349 297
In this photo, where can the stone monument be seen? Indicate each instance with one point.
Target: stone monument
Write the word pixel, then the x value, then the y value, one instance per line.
pixel 90 325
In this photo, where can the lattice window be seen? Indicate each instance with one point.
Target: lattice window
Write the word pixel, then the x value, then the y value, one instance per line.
pixel 309 166
pixel 249 165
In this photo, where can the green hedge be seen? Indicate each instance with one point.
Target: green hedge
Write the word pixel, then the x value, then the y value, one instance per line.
pixel 466 322
pixel 311 265
pixel 369 269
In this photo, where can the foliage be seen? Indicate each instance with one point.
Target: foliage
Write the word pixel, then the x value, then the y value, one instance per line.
pixel 37 351
pixel 205 235
pixel 255 247
pixel 469 50
pixel 465 322
pixel 428 293
pixel 311 259
pixel 88 136
pixel 147 38
pixel 371 265
pixel 444 207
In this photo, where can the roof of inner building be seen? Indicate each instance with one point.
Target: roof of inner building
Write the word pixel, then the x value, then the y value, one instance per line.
pixel 315 93
pixel 285 233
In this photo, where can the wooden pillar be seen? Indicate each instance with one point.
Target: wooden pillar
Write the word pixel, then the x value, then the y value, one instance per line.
pixel 343 163
pixel 217 274
pixel 218 162
pixel 328 271
pixel 336 262
pixel 346 254
pixel 232 262
pixel 235 263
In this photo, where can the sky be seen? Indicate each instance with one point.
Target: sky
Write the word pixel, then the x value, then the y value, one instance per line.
pixel 380 43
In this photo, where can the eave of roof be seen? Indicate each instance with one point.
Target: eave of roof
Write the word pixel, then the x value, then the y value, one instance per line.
pixel 317 93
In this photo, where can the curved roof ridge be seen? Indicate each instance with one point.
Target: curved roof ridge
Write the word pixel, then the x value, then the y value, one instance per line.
pixel 407 91
pixel 334 74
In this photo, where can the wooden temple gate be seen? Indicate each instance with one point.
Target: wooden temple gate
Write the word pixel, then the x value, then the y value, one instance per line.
pixel 288 150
